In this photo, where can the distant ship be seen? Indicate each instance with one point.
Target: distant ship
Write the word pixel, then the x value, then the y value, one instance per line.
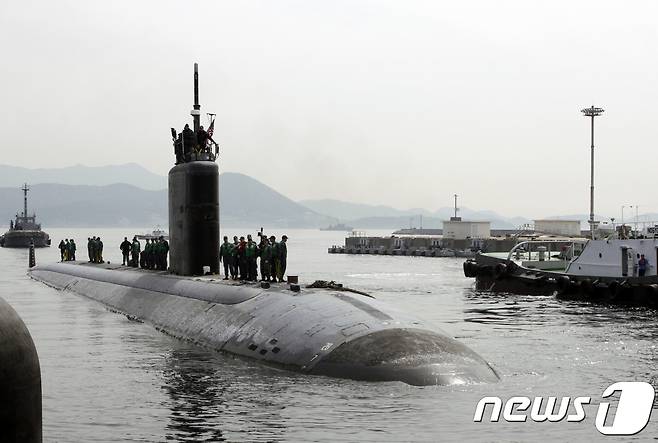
pixel 24 230
pixel 337 227
pixel 154 235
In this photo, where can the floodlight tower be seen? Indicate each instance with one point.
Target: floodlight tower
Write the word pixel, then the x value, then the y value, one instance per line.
pixel 592 112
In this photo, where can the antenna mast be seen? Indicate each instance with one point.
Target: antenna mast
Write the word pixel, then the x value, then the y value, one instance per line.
pixel 196 112
pixel 25 188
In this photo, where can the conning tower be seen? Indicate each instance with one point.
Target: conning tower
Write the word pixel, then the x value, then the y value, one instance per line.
pixel 193 200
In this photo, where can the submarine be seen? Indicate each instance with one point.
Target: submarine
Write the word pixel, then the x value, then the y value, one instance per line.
pixel 330 331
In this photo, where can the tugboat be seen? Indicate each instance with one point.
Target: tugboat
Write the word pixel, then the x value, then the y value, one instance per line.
pixel 24 230
pixel 619 269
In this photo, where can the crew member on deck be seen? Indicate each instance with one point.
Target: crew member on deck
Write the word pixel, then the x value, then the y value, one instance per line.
pixel 283 258
pixel 125 251
pixel 135 249
pixel 251 255
pixel 164 250
pixel 99 250
pixel 72 249
pixel 62 249
pixel 226 256
pixel 234 253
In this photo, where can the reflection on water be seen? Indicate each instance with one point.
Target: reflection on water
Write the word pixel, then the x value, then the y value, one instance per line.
pixel 196 397
pixel 513 310
pixel 210 392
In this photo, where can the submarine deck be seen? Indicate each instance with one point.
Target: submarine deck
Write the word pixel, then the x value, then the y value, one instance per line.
pixel 295 330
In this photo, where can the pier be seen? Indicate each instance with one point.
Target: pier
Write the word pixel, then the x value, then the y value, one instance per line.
pixel 421 246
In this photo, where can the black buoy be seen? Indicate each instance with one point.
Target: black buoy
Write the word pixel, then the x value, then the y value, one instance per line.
pixel 20 380
pixel 32 260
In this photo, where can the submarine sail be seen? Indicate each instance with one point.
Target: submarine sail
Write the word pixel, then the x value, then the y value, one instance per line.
pixel 194 202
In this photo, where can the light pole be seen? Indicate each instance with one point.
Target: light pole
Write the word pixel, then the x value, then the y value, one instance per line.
pixel 592 112
pixel 636 218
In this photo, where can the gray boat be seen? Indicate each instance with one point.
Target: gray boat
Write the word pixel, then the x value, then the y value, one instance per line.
pixel 25 230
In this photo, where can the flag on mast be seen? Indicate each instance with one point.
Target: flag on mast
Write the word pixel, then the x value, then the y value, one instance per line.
pixel 211 128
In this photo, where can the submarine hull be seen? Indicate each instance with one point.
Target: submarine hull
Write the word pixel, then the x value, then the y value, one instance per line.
pixel 315 331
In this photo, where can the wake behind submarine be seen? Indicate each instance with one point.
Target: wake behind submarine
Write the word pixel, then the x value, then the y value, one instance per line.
pixel 317 331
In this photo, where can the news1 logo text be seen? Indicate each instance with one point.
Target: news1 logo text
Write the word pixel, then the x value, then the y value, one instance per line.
pixel 631 416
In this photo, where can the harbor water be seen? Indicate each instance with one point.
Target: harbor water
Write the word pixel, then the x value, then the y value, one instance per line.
pixel 108 378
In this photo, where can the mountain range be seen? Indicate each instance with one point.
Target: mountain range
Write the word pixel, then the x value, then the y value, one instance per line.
pixel 130 195
pixel 381 216
pixel 129 173
pixel 243 201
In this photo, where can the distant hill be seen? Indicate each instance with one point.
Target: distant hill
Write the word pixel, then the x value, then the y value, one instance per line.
pixel 130 195
pixel 129 173
pixel 384 217
pixel 74 205
pixel 341 210
pixel 243 201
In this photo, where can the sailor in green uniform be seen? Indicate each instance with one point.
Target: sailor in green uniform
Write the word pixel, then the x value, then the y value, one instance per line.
pixel 251 254
pixel 283 258
pixel 164 250
pixel 155 253
pixel 226 256
pixel 99 250
pixel 72 249
pixel 62 249
pixel 90 249
pixel 147 254
pixel 275 257
pixel 135 248
pixel 265 259
pixel 125 251
pixel 156 250
pixel 93 249
pixel 234 255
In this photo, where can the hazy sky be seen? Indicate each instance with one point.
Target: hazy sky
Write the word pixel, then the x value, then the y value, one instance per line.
pixel 388 102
